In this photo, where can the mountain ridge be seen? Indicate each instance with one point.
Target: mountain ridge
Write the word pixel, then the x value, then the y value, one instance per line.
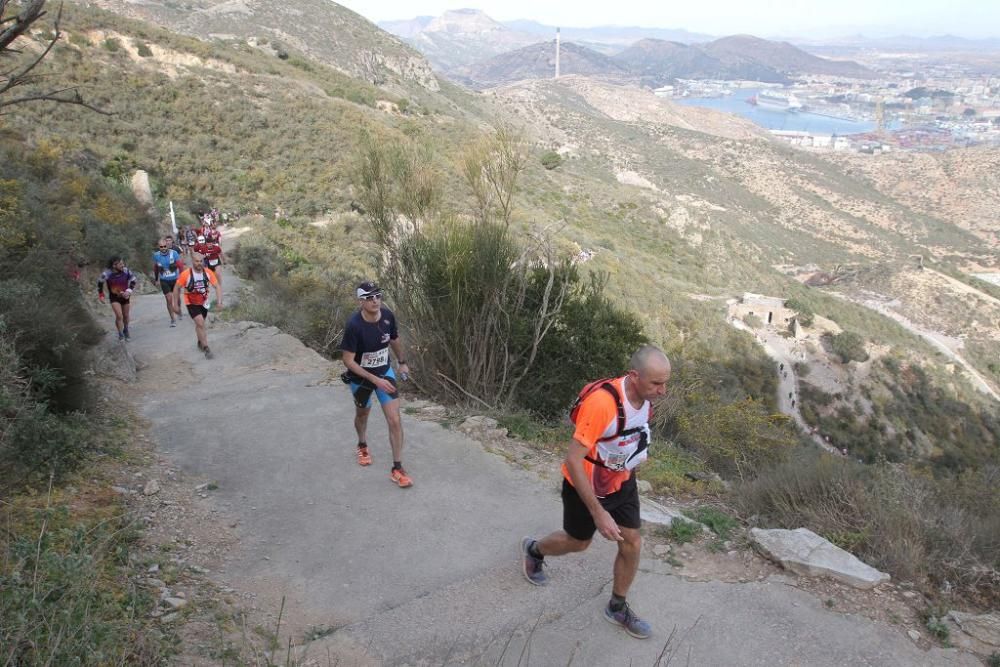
pixel 320 29
pixel 467 45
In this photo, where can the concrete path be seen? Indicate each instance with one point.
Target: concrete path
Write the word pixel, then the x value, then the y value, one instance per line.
pixel 430 575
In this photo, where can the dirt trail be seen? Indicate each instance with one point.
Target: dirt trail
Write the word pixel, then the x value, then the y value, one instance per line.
pixel 788 381
pixel 944 344
pixel 430 575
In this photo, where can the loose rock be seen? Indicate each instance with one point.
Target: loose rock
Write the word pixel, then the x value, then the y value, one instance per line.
pixel 152 488
pixel 806 553
pixel 984 627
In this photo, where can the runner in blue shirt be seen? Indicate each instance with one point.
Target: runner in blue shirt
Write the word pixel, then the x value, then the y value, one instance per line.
pixel 369 334
pixel 167 265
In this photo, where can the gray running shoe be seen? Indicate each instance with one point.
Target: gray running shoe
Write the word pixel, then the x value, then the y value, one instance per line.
pixel 208 353
pixel 532 567
pixel 121 336
pixel 626 618
pixel 173 323
pixel 125 333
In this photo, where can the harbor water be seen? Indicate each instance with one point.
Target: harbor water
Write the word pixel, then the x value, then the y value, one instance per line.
pixel 801 121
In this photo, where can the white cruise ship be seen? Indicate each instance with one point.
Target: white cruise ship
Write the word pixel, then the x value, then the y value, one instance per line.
pixel 774 101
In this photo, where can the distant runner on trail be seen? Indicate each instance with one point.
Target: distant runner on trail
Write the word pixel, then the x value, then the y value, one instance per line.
pixel 195 282
pixel 214 257
pixel 166 267
pixel 599 491
pixel 369 334
pixel 120 282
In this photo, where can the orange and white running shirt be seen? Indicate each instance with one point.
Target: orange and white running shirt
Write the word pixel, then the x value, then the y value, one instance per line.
pixel 197 295
pixel 597 419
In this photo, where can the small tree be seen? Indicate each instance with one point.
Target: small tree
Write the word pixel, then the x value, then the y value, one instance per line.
pixel 478 299
pixel 550 160
pixel 849 346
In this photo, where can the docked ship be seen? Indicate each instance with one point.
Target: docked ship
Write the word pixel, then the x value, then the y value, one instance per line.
pixel 773 101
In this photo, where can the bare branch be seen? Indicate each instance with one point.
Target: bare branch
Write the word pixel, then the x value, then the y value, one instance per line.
pixel 20 23
pixel 17 26
pixel 76 99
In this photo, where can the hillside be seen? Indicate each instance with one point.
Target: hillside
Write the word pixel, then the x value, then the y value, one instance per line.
pixel 279 135
pixel 538 61
pixel 322 30
pixel 659 62
pixel 746 50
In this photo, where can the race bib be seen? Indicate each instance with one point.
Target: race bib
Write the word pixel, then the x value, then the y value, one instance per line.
pixel 375 359
pixel 213 262
pixel 625 453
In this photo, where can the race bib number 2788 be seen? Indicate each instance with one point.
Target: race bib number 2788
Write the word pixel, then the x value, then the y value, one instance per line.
pixel 375 359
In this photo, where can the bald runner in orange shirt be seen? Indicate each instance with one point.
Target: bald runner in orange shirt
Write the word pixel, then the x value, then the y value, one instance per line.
pixel 599 491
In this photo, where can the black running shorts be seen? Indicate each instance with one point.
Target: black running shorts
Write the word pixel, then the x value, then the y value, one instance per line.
pixel 119 299
pixel 195 311
pixel 623 506
pixel 167 285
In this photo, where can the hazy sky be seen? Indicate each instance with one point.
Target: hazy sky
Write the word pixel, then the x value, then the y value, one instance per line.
pixel 967 18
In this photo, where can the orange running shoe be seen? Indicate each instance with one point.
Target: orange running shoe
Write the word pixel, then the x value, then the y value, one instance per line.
pixel 364 458
pixel 400 477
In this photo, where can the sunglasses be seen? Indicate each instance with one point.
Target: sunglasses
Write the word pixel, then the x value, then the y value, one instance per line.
pixel 372 297
pixel 162 247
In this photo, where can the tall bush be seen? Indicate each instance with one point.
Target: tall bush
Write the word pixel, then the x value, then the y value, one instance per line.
pixel 493 315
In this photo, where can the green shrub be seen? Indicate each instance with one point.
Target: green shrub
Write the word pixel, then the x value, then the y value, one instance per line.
pixel 682 532
pixel 256 261
pixel 849 346
pixel 915 528
pixel 526 426
pixel 551 159
pixel 590 338
pixel 65 591
pixel 112 45
pixel 143 50
pixel 718 521
pixel 802 310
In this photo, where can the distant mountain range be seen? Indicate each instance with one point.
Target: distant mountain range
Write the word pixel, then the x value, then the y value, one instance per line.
pixel 458 38
pixel 655 62
pixel 470 47
pixel 538 61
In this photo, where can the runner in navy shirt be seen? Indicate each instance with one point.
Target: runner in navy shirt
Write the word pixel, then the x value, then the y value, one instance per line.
pixel 368 336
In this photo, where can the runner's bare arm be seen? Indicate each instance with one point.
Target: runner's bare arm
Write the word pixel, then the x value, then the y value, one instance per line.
pixel 178 286
pixel 218 293
pixel 606 526
pixel 397 350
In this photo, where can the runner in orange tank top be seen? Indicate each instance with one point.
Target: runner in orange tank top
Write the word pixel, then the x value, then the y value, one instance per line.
pixel 599 487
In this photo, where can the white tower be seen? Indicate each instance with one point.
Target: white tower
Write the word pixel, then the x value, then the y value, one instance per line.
pixel 557 53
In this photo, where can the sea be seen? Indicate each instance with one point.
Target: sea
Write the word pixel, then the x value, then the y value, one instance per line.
pixel 777 120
